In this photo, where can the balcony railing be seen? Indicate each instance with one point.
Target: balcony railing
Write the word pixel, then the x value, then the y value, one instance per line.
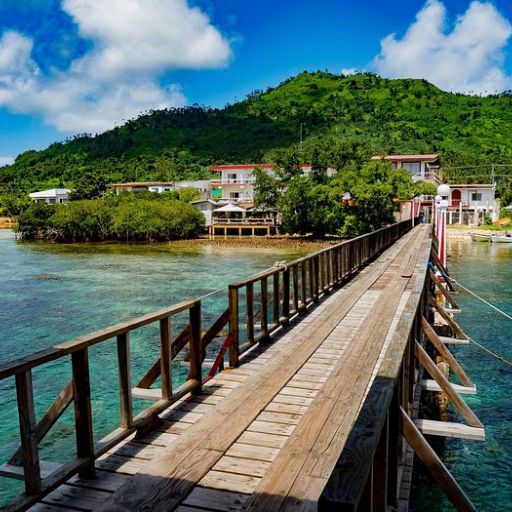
pixel 233 181
pixel 267 221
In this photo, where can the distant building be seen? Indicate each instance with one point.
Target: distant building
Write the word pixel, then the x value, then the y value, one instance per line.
pixel 422 167
pixel 51 196
pixel 469 203
pixel 162 186
pixel 236 182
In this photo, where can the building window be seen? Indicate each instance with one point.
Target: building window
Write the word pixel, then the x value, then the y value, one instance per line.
pixel 476 196
pixel 413 167
pixel 234 195
pixel 232 176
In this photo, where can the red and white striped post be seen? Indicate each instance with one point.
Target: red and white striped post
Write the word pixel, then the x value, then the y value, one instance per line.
pixel 443 192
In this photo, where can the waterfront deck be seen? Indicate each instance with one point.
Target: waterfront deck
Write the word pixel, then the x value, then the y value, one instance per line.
pixel 312 413
pixel 266 435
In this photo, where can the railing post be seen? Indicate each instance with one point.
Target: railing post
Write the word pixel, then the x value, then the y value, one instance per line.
pixel 264 306
pixel 275 293
pixel 165 358
pixel 249 298
pixel 28 436
pixel 286 295
pixel 125 391
pixel 233 326
pixel 295 270
pixel 304 292
pixel 83 414
pixel 195 346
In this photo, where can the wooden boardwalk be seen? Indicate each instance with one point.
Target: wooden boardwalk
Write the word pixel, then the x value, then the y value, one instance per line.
pixel 267 435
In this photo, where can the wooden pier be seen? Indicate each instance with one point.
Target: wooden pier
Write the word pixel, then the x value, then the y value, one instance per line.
pixel 309 404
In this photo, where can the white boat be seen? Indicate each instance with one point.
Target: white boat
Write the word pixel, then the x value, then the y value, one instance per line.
pixel 476 237
pixel 503 239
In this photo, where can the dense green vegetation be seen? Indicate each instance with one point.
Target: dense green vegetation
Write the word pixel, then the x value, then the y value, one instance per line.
pixel 357 200
pixel 387 116
pixel 128 217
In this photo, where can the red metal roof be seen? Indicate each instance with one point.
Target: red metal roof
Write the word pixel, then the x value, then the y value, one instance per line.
pixel 246 166
pixel 404 158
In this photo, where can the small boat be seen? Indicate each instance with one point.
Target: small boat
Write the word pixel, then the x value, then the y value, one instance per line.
pixel 503 239
pixel 476 237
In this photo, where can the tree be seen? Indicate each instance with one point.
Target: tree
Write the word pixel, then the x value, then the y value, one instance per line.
pixel 89 185
pixel 267 190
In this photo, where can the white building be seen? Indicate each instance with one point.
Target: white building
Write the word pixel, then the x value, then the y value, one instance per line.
pixel 236 182
pixel 51 196
pixel 159 187
pixel 469 203
pixel 421 167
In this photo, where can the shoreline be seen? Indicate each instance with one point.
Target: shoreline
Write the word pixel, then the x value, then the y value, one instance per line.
pixel 465 232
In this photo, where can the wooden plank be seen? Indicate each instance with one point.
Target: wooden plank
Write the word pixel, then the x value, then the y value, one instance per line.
pixel 260 439
pixel 44 507
pixel 28 436
pixel 453 341
pixel 286 408
pixel 434 464
pixel 79 498
pixel 432 385
pixel 230 482
pixel 241 466
pixel 83 413
pixel 449 429
pixel 147 394
pixel 459 333
pixel 104 481
pixel 119 464
pixel 445 353
pixel 215 499
pixel 123 363
pixel 18 473
pixel 248 451
pixel 445 385
pixel 279 417
pixel 268 427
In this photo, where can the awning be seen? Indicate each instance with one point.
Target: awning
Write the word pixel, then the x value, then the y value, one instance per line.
pixel 230 208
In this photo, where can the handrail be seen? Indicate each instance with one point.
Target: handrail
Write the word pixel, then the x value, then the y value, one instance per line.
pixel 76 344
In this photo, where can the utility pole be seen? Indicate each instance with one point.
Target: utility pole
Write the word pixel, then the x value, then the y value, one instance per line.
pixel 493 174
pixel 302 125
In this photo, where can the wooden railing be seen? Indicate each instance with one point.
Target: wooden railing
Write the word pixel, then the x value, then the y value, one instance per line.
pixel 293 288
pixel 371 467
pixel 287 290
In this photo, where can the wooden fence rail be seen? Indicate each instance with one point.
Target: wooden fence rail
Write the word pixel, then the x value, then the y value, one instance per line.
pixel 281 293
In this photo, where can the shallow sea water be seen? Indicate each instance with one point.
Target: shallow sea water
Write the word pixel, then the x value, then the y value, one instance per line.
pixel 483 469
pixel 51 293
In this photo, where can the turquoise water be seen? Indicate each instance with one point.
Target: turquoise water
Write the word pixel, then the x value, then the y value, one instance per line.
pixel 51 293
pixel 483 469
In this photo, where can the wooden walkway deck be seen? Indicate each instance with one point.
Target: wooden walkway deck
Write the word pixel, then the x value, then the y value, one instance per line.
pixel 267 435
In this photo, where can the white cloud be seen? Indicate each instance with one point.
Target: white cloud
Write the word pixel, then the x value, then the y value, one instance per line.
pixel 468 59
pixel 350 71
pixel 6 160
pixel 134 43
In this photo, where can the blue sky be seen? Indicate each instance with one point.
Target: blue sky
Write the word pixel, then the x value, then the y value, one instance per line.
pixel 72 66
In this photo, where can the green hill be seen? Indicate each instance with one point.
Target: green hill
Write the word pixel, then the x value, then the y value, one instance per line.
pixel 382 116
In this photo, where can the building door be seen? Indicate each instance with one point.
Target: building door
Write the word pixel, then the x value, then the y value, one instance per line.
pixel 456 197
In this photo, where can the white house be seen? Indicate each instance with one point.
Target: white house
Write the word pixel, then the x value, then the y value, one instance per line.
pixel 160 187
pixel 206 207
pixel 51 196
pixel 236 182
pixel 422 167
pixel 468 203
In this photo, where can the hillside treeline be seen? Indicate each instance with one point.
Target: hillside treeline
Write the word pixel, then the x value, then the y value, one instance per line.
pixel 386 116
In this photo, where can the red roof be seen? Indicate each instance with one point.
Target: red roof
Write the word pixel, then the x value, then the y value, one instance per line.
pixel 404 158
pixel 246 166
